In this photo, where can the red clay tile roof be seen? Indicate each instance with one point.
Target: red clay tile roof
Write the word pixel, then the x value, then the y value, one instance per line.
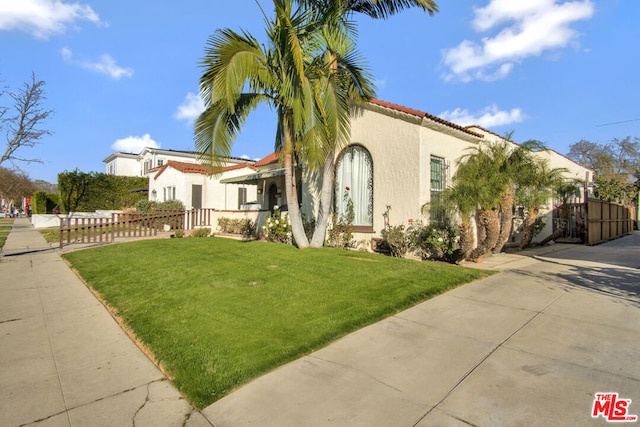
pixel 271 158
pixel 419 113
pixel 239 166
pixel 183 167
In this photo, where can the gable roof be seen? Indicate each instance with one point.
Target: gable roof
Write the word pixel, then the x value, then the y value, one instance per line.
pixel 198 168
pixel 422 114
pixel 269 159
pixel 183 167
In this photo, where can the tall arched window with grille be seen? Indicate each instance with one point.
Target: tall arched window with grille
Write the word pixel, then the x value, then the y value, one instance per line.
pixel 354 184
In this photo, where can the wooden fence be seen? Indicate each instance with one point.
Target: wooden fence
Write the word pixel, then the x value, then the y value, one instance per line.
pixel 124 225
pixel 593 222
pixel 606 221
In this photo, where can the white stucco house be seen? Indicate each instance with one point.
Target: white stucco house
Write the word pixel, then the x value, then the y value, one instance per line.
pixel 177 175
pixel 398 159
pixel 197 189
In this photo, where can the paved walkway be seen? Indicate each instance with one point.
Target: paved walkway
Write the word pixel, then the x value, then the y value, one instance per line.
pixel 64 361
pixel 529 346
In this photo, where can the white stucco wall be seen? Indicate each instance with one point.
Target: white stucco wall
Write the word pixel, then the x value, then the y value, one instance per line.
pixel 214 194
pixel 123 165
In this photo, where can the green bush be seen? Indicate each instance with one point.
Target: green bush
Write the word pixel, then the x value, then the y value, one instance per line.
pixel 277 228
pixel 341 231
pixel 43 202
pixel 88 191
pixel 147 206
pixel 434 241
pixel 201 232
pixel 245 226
pixel 395 241
pixel 179 234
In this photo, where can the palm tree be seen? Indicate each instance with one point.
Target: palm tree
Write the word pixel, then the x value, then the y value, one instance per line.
pixel 541 180
pixel 458 199
pixel 480 173
pixel 341 10
pixel 564 192
pixel 515 158
pixel 279 74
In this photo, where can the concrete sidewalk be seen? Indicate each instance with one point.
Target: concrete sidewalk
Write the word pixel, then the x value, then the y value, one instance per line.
pixel 528 347
pixel 64 361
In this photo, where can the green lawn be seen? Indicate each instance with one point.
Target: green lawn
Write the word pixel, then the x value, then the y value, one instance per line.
pixel 217 313
pixel 5 228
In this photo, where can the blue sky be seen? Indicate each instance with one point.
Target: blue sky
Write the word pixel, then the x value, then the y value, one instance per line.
pixel 121 75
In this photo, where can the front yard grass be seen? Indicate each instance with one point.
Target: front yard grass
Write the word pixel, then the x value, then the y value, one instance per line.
pixel 5 228
pixel 217 313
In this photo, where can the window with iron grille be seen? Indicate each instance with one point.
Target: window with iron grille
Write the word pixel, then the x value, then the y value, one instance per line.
pixel 438 182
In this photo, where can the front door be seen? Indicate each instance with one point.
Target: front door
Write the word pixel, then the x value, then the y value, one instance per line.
pixel 273 196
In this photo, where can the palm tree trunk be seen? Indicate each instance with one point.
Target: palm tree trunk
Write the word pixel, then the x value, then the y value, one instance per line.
pixel 529 223
pixel 297 227
pixel 506 219
pixel 489 221
pixel 466 239
pixel 562 226
pixel 324 210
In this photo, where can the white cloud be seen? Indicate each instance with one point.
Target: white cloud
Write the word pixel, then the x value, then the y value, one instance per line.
pixel 135 144
pixel 107 65
pixel 190 109
pixel 488 117
pixel 43 18
pixel 525 28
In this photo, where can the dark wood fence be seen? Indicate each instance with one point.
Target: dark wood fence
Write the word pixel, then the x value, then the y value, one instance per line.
pixel 128 225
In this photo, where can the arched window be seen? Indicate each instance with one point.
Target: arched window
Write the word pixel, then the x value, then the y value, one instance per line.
pixel 354 185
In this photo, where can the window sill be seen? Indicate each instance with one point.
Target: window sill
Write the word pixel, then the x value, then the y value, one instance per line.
pixel 363 229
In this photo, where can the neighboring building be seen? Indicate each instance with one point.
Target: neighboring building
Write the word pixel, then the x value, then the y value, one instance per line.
pixel 177 175
pixel 196 188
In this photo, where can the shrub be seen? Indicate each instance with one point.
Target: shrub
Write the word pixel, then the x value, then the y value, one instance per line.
pixel 395 241
pixel 43 202
pixel 201 232
pixel 179 233
pixel 245 226
pixel 277 228
pixel 434 241
pixel 146 206
pixel 341 231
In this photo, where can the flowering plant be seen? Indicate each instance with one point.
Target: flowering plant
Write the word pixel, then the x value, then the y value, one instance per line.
pixel 277 228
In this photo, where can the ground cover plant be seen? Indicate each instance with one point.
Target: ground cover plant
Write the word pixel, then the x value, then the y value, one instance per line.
pixel 5 228
pixel 217 313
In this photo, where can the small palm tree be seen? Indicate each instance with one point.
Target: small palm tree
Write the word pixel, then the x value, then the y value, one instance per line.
pixel 541 180
pixel 480 174
pixel 563 192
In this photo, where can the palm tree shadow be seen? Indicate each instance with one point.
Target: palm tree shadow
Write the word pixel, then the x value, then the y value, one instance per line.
pixel 617 282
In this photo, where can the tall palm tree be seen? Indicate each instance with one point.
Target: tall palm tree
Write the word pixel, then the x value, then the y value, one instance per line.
pixel 341 10
pixel 278 74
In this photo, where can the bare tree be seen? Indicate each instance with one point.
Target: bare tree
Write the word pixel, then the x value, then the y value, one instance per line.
pixel 21 124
